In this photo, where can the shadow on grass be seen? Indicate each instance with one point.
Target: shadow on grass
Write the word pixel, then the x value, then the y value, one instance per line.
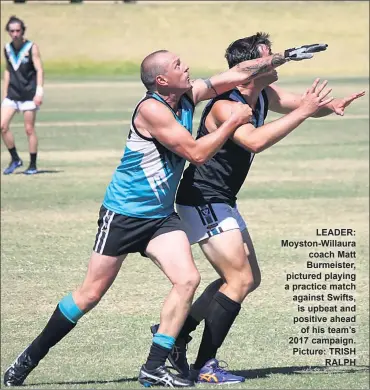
pixel 248 374
pixel 40 171
pixel 88 382
pixel 297 370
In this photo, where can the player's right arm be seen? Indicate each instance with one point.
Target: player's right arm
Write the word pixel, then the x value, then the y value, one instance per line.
pixel 155 119
pixel 6 76
pixel 6 83
pixel 257 140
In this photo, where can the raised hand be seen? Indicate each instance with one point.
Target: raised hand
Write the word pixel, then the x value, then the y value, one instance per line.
pixel 315 97
pixel 339 105
pixel 304 52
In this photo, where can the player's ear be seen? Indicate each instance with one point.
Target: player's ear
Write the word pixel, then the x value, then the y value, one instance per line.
pixel 161 80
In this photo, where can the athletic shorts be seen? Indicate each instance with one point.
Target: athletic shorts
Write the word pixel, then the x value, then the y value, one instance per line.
pixel 119 234
pixel 28 105
pixel 202 222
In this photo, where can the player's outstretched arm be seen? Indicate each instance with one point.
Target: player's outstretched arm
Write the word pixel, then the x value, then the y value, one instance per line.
pixel 245 71
pixel 39 74
pixel 156 119
pixel 284 102
pixel 257 140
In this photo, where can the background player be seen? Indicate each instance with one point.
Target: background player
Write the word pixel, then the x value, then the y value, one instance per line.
pixel 23 92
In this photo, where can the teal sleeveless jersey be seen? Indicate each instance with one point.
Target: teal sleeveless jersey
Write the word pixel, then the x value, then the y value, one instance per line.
pixel 145 182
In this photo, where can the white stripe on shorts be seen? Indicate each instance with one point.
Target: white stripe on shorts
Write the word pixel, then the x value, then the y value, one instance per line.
pixel 104 231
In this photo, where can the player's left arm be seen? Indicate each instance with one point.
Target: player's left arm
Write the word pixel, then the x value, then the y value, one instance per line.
pixel 40 75
pixel 283 102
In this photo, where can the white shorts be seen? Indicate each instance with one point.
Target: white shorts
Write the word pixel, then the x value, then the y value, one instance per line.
pixel 28 105
pixel 202 222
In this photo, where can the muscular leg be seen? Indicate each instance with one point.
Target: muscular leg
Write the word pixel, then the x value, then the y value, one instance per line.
pixel 232 254
pixel 102 270
pixel 171 252
pixel 7 114
pixel 199 308
pixel 29 126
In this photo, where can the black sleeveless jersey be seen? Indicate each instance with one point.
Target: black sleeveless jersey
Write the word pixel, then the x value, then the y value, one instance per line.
pixel 220 178
pixel 22 84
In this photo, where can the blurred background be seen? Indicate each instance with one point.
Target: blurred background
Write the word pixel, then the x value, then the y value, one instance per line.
pixel 112 37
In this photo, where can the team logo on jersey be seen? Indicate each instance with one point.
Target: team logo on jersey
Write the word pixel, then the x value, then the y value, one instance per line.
pixel 205 211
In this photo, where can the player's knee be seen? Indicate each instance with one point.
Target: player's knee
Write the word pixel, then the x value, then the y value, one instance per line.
pixel 30 129
pixel 246 283
pixel 189 283
pixel 4 127
pixel 242 281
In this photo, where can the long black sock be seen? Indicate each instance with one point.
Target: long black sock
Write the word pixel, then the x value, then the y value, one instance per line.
pixel 199 309
pixel 157 356
pixel 14 154
pixel 33 158
pixel 57 327
pixel 221 315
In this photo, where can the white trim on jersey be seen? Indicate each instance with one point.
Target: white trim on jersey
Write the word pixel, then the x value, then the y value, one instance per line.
pixel 16 60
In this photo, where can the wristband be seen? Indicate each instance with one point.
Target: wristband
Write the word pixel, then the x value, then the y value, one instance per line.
pixel 39 91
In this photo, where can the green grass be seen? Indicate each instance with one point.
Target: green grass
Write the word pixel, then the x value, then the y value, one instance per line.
pixel 315 178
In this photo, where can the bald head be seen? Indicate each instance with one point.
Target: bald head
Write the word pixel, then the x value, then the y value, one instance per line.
pixel 153 65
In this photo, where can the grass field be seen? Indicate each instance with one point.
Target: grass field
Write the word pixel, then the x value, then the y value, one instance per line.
pixel 316 178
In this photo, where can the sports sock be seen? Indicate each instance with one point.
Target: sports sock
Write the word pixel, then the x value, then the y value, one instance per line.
pixel 218 321
pixel 14 154
pixel 62 321
pixel 199 309
pixel 159 351
pixel 33 158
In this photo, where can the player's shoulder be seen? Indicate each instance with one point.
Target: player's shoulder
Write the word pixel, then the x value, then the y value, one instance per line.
pixel 223 103
pixel 153 110
pixel 34 46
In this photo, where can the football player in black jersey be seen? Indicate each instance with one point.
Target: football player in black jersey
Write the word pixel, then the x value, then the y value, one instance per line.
pixel 23 92
pixel 206 200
